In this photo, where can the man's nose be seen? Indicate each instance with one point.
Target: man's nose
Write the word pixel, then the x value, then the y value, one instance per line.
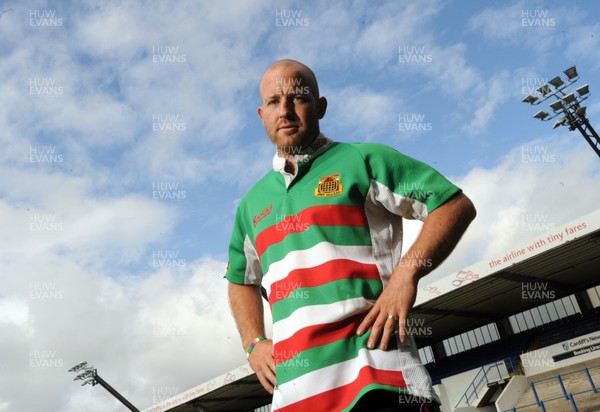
pixel 286 106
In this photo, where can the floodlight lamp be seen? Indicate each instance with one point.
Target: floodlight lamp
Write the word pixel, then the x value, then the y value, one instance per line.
pixel 541 115
pixel 560 122
pixel 556 82
pixel 580 111
pixel 571 73
pixel 530 99
pixel 78 367
pixel 544 90
pixel 583 90
pixel 569 98
pixel 556 106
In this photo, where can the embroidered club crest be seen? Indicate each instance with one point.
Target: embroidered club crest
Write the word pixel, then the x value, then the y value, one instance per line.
pixel 329 186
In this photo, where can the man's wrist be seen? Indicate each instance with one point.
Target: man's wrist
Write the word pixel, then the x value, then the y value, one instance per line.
pixel 414 268
pixel 407 273
pixel 252 344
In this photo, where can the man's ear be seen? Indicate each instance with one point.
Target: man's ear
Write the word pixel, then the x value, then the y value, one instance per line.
pixel 259 111
pixel 321 107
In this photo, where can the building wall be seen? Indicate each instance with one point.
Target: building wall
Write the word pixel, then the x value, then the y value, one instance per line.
pixel 568 352
pixel 512 393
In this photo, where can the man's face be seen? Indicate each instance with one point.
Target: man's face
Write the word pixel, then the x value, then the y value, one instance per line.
pixel 290 110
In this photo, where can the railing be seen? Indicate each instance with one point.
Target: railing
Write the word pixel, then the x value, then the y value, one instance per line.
pixel 487 375
pixel 542 403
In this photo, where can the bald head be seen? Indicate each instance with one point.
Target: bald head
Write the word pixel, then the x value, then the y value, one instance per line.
pixel 290 68
pixel 291 106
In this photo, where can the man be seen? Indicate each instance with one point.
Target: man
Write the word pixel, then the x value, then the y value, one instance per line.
pixel 322 233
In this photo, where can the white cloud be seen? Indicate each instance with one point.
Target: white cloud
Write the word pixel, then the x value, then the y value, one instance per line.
pixel 584 44
pixel 61 214
pixel 363 114
pixel 393 25
pixel 538 27
pixel 106 86
pixel 169 328
pixel 500 23
pixel 362 33
pixel 15 312
pixel 451 70
pixel 490 95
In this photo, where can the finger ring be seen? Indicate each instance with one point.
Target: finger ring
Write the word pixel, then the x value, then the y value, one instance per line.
pixel 391 317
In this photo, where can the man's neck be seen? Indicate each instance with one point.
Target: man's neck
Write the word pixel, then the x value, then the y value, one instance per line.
pixel 290 156
pixel 290 162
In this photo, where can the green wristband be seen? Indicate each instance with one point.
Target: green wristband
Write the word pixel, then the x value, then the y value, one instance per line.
pixel 254 342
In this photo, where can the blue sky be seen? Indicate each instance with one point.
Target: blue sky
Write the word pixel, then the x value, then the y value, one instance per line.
pixel 129 133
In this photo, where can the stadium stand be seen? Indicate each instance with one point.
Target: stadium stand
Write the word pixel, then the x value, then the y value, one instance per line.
pixel 556 390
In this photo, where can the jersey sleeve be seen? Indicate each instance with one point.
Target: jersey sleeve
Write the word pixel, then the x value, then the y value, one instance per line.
pixel 403 185
pixel 243 267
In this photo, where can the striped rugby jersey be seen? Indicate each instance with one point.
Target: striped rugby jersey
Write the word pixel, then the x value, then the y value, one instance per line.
pixel 323 244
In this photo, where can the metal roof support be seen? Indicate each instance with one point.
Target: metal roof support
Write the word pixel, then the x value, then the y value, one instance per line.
pixel 504 327
pixel 584 301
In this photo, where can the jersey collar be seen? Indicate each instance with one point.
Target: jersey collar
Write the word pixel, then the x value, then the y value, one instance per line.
pixel 317 147
pixel 321 144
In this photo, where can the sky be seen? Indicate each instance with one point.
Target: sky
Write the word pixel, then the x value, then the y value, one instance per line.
pixel 129 133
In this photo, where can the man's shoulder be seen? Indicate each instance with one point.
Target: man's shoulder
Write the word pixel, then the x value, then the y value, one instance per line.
pixel 362 148
pixel 369 151
pixel 372 147
pixel 380 157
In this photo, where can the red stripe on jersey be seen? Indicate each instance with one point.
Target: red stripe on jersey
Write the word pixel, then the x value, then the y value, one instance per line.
pixel 317 335
pixel 339 398
pixel 330 271
pixel 329 215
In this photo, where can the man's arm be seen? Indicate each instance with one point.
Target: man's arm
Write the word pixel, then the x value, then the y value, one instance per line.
pixel 439 235
pixel 247 308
